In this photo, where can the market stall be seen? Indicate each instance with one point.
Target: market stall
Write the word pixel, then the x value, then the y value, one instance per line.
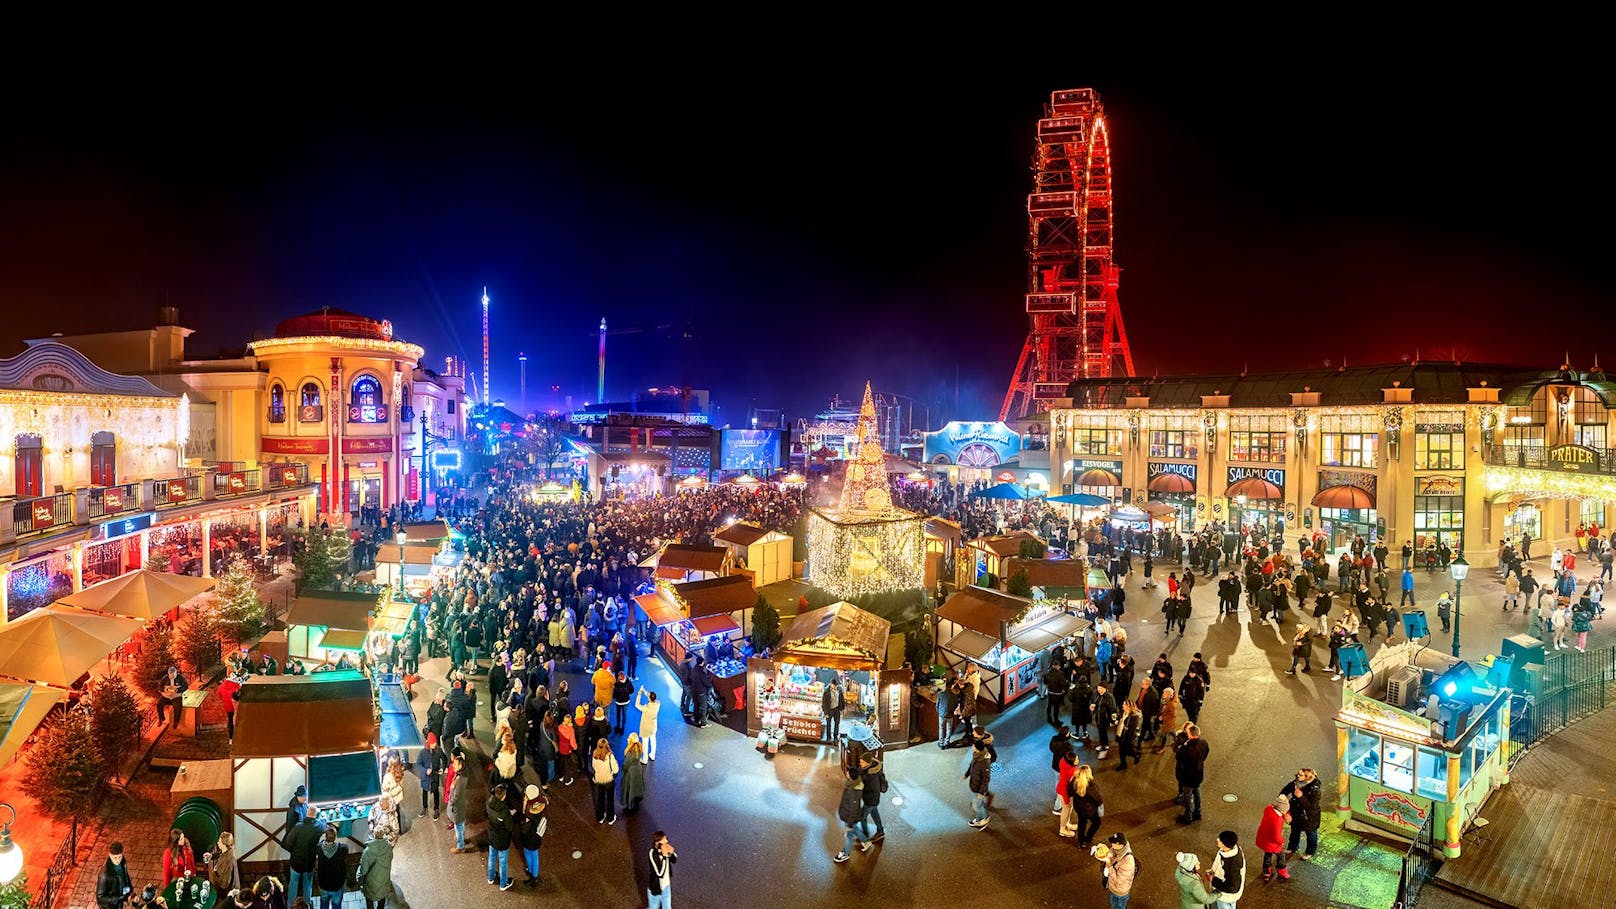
pixel 415 561
pixel 1002 634
pixel 839 644
pixel 1423 737
pixel 703 617
pixel 323 624
pixel 988 553
pixel 765 554
pixel 317 731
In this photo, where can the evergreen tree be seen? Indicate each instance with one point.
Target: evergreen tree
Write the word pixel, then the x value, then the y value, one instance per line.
pixel 65 772
pixel 156 655
pixel 325 555
pixel 238 610
pixel 765 625
pixel 115 720
pixel 199 641
pixel 1031 549
pixel 1018 585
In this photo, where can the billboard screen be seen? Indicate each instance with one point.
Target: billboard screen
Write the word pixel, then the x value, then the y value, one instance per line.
pixel 750 449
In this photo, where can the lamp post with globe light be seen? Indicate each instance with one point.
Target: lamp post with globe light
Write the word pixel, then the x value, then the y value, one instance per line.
pixel 1459 569
pixel 400 538
pixel 10 853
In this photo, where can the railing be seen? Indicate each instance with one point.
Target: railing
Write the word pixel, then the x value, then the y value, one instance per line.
pixel 177 491
pixel 287 476
pixel 103 501
pixel 235 483
pixel 43 513
pixel 66 858
pixel 1575 686
pixel 1420 863
pixel 1536 457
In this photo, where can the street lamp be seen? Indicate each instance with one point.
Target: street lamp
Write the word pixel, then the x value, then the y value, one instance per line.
pixel 10 853
pixel 1459 568
pixel 399 538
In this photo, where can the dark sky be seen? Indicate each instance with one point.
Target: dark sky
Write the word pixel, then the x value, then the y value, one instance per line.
pixel 778 228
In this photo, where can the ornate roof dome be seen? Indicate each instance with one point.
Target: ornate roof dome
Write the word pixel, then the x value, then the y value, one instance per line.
pixel 340 323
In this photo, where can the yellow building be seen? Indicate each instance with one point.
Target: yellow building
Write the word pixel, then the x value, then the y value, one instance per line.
pixel 1465 454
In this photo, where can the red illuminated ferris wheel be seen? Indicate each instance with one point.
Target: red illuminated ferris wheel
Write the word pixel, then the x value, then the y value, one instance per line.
pixel 1076 323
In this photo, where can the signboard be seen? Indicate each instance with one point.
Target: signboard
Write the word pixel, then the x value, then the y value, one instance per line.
pixel 308 413
pixel 236 482
pixel 1573 458
pixel 1006 476
pixel 1438 485
pixel 1395 809
pixel 125 526
pixel 412 483
pixel 44 513
pixel 1081 464
pixel 309 446
pixel 288 476
pixel 177 491
pixel 971 444
pixel 1154 469
pixel 381 445
pixel 1273 475
pixel 1454 428
pixel 1362 479
pixel 802 727
pixel 448 459
pixel 111 501
pixel 749 449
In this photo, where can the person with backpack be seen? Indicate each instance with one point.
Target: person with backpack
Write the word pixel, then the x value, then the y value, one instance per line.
pixel 872 772
pixel 1121 869
pixel 331 869
pixel 534 826
pixel 850 811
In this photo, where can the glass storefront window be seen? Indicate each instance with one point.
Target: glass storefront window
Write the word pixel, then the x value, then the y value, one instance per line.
pixel 1432 774
pixel 1439 451
pixel 1438 519
pixel 1173 443
pixel 1342 524
pixel 1096 441
pixel 1397 765
pixel 1363 755
pixel 1590 416
pixel 1592 511
pixel 1349 449
pixel 1525 518
pixel 1257 438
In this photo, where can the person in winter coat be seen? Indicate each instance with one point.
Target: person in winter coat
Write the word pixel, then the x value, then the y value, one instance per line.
pixel 534 826
pixel 873 774
pixel 603 680
pixel 647 704
pixel 302 845
pixel 622 694
pixel 566 747
pixel 178 858
pixel 1271 838
pixel 1149 704
pixel 224 868
pixel 376 871
pixel 331 869
pixel 603 776
pixel 1087 804
pixel 545 748
pixel 1304 794
pixel 850 810
pixel 1063 793
pixel 436 713
pixel 1120 869
pixel 1189 768
pixel 1582 619
pixel 1166 720
pixel 459 803
pixel 633 774
pixel 1104 708
pixel 112 886
pixel 1228 878
pixel 979 777
pixel 1129 730
pixel 1082 698
pixel 429 771
pixel 1193 889
pixel 501 830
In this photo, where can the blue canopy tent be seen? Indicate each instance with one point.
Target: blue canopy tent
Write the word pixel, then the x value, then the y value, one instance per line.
pixel 1086 499
pixel 1001 491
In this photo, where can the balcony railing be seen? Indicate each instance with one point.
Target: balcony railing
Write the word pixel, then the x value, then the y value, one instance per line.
pixel 1536 457
pixel 106 501
pixel 176 491
pixel 235 483
pixel 287 476
pixel 43 513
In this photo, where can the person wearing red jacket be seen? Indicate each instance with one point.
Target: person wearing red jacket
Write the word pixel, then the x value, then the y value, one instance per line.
pixel 1271 838
pixel 178 858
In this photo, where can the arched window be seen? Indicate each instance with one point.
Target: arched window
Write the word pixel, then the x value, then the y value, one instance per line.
pixel 103 459
pixel 365 402
pixel 308 410
pixel 277 403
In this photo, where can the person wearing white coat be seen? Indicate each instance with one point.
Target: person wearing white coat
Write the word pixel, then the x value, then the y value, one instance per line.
pixel 648 722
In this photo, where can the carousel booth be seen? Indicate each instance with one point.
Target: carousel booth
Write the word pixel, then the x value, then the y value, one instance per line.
pixel 322 625
pixel 764 554
pixel 1423 738
pixel 839 644
pixel 705 618
pixel 1002 634
pixel 317 731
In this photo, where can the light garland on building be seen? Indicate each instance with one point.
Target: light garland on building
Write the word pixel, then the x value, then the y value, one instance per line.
pixel 405 349
pixel 1526 483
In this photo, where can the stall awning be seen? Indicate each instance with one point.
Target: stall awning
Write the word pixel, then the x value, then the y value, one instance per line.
pixel 1035 638
pixel 56 644
pixel 1254 488
pixel 972 644
pixel 658 611
pixel 344 777
pixel 414 553
pixel 320 713
pixel 841 636
pixel 1160 510
pixel 1058 574
pixel 1097 476
pixel 944 529
pixel 398 730
pixel 332 609
pixel 741 534
pixel 982 610
pixel 1170 482
pixel 1343 497
pixel 715 624
pixel 141 594
pixel 426 531
pixel 343 639
pixel 22 708
pixel 716 596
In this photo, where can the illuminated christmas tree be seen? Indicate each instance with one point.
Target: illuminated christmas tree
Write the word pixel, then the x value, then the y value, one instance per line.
pixel 866 488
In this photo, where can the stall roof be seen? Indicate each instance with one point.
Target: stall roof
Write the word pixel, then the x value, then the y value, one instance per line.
pixel 343 639
pixel 741 534
pixel 689 557
pixel 1004 545
pixel 715 624
pixel 427 531
pixel 1035 638
pixel 973 644
pixel 945 529
pixel 333 609
pixel 22 708
pixel 141 594
pixel 320 713
pixel 716 596
pixel 658 610
pixel 840 635
pixel 1056 573
pixel 398 727
pixel 981 609
pixel 344 777
pixel 414 553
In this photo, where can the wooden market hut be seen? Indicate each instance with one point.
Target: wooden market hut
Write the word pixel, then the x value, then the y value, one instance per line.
pixel 764 554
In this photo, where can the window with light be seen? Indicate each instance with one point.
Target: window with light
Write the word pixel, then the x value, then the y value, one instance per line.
pixel 1349 449
pixel 1257 438
pixel 277 403
pixel 365 402
pixel 1439 451
pixel 1589 416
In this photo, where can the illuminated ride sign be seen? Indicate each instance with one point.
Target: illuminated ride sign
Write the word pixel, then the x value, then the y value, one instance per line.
pixel 972 444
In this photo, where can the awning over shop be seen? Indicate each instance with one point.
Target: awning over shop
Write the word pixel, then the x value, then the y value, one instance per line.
pixel 398 729
pixel 1343 497
pixel 1160 510
pixel 332 609
pixel 22 708
pixel 56 644
pixel 427 531
pixel 1009 491
pixel 141 594
pixel 973 644
pixel 1085 499
pixel 414 553
pixel 289 715
pixel 944 529
pixel 1034 638
pixel 716 596
pixel 982 610
pixel 1097 476
pixel 344 777
pixel 841 636
pixel 343 639
pixel 715 624
pixel 658 611
pixel 1056 574
pixel 1170 482
pixel 1254 488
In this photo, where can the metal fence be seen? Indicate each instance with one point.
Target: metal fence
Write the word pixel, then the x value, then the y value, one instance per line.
pixel 1575 686
pixel 1420 863
pixel 56 875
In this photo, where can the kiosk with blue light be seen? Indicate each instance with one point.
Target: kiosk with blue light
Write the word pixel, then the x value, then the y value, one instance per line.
pixel 1421 737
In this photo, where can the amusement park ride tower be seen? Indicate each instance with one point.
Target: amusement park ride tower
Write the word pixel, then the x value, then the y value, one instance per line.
pixel 1076 329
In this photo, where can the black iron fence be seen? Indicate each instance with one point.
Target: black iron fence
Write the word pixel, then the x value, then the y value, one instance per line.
pixel 56 875
pixel 1536 457
pixel 1420 863
pixel 1575 686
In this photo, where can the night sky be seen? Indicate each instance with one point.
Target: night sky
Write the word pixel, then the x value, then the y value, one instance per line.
pixel 778 231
